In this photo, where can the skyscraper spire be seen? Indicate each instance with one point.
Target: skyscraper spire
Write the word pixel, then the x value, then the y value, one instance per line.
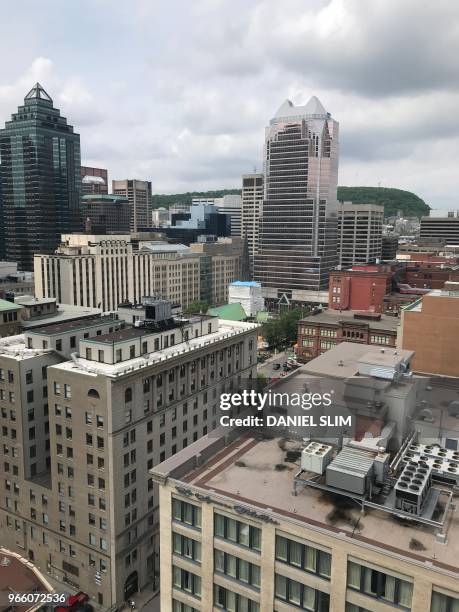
pixel 38 93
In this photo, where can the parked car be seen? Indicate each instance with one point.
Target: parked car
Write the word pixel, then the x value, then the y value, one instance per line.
pixel 276 366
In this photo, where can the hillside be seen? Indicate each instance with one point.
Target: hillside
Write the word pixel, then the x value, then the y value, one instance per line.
pixel 392 199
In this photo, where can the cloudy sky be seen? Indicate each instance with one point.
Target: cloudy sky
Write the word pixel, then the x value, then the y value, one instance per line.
pixel 179 92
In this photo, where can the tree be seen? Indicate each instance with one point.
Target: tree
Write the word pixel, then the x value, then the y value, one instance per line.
pixel 200 306
pixel 283 331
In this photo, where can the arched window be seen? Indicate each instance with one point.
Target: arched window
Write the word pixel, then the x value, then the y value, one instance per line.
pixel 128 395
pixel 93 393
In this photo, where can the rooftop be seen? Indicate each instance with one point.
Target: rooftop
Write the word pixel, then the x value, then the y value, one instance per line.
pixel 65 313
pixel 69 326
pixel 229 312
pixel 18 575
pixel 335 317
pixel 245 472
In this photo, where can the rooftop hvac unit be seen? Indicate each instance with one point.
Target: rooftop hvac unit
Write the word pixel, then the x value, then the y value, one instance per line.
pixel 352 470
pixel 434 450
pixel 315 457
pixel 412 487
pixel 446 470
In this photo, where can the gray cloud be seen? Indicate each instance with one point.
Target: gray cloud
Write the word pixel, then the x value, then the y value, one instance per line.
pixel 181 93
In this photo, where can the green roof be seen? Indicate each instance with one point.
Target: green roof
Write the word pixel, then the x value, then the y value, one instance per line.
pixel 229 312
pixel 5 305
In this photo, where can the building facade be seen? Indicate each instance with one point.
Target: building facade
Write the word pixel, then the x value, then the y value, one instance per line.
pixel 139 195
pixel 359 233
pixel 40 176
pixel 231 205
pixel 10 318
pixel 444 229
pixel 94 181
pixel 230 541
pixel 389 247
pixel 252 201
pixel 430 327
pixel 81 433
pixel 360 288
pixel 106 214
pixel 321 332
pixel 105 271
pixel 298 229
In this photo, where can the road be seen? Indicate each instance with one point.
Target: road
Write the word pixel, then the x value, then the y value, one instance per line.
pixel 267 368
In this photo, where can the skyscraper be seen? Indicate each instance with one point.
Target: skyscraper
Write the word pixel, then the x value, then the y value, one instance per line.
pixel 94 180
pixel 298 229
pixel 252 200
pixel 139 195
pixel 359 233
pixel 40 175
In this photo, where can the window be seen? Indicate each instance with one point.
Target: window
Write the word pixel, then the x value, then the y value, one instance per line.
pixel 304 557
pixel 93 393
pixel 236 568
pixel 379 584
pixel 128 395
pixel 238 532
pixel 187 513
pixel 186 581
pixel 186 547
pixel 57 388
pixel 227 600
pixel 29 377
pixel 300 595
pixel 444 603
pixel 67 391
pixel 178 606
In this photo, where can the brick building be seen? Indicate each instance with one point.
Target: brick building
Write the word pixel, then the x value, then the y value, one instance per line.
pixel 321 332
pixel 360 288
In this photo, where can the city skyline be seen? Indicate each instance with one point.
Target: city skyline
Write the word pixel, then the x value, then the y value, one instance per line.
pixel 189 110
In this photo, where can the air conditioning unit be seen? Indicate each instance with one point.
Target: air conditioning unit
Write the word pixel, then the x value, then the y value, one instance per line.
pixel 412 487
pixel 315 457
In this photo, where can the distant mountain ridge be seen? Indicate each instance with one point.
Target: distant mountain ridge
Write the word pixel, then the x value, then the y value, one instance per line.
pixel 392 199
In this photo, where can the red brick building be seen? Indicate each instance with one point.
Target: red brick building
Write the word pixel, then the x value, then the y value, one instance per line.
pixel 321 332
pixel 360 288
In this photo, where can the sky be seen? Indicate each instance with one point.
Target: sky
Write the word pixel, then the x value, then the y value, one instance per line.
pixel 180 92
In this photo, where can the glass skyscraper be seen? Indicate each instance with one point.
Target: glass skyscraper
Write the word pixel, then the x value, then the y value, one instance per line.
pixel 298 230
pixel 40 174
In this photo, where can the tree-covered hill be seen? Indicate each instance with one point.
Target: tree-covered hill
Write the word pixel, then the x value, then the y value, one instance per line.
pixel 392 199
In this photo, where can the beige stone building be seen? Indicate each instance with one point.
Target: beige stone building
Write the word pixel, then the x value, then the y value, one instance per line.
pixel 87 408
pixel 105 271
pixel 359 233
pixel 234 536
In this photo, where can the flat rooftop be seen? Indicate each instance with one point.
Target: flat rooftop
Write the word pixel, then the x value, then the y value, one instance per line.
pixel 75 325
pixel 18 575
pixel 342 361
pixel 335 317
pixel 245 471
pixel 65 313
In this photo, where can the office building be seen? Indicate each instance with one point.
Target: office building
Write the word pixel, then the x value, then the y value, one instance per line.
pixel 88 408
pixel 291 537
pixel 430 328
pixel 14 282
pixel 106 214
pixel 94 181
pixel 202 220
pixel 252 201
pixel 231 205
pixel 389 246
pixel 298 229
pixel 444 229
pixel 359 288
pixel 139 195
pixel 40 176
pixel 359 233
pixel 160 216
pixel 323 331
pixel 105 271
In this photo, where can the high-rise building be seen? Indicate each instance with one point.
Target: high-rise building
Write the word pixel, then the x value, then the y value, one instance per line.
pixel 231 205
pixel 441 228
pixel 359 233
pixel 298 230
pixel 40 175
pixel 252 201
pixel 107 270
pixel 139 195
pixel 94 181
pixel 87 408
pixel 389 246
pixel 106 214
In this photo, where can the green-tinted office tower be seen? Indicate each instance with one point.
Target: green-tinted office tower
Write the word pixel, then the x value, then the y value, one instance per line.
pixel 40 175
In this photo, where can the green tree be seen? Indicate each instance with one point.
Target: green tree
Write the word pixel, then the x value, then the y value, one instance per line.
pixel 197 307
pixel 283 331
